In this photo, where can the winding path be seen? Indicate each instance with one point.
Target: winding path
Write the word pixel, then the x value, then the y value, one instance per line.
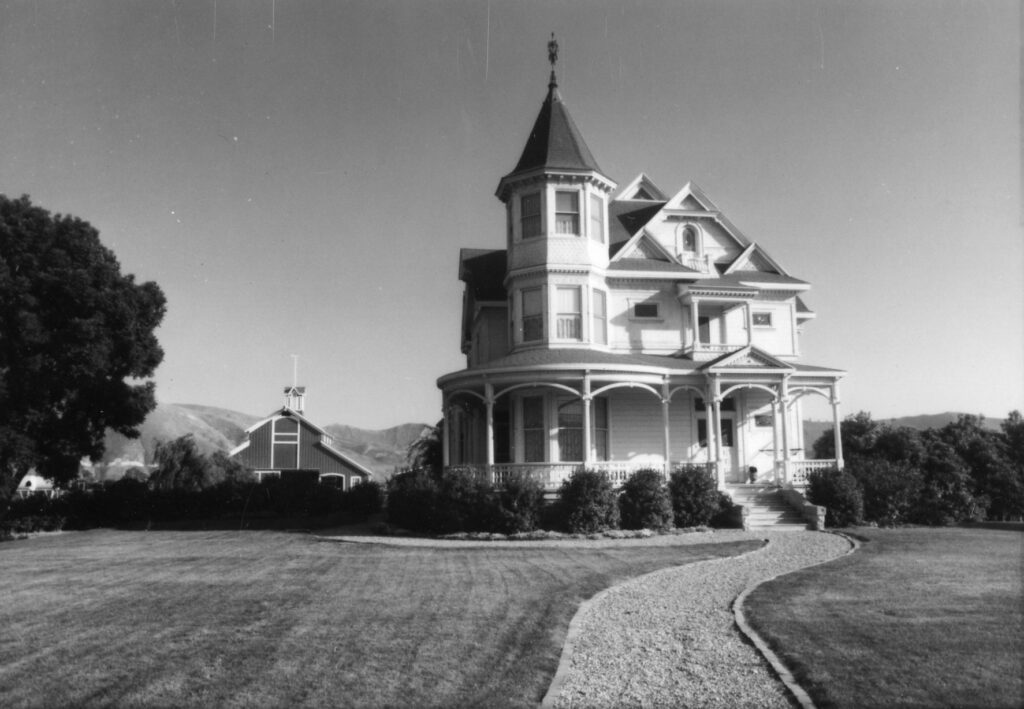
pixel 670 639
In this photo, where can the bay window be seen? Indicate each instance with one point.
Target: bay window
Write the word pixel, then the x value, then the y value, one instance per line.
pixel 533 315
pixel 529 215
pixel 568 316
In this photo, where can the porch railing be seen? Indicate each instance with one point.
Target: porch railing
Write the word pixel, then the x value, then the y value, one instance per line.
pixel 798 470
pixel 551 475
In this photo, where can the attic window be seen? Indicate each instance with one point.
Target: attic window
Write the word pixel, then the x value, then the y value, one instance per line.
pixel 762 319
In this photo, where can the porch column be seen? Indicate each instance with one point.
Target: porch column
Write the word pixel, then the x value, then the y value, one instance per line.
pixel 775 436
pixel 695 321
pixel 836 426
pixel 588 455
pixel 784 405
pixel 489 405
pixel 665 423
pixel 446 433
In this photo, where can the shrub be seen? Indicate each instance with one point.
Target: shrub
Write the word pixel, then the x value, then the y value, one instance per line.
pixel 364 499
pixel 839 492
pixel 694 496
pixel 517 504
pixel 946 497
pixel 411 499
pixel 890 490
pixel 588 503
pixel 465 503
pixel 644 502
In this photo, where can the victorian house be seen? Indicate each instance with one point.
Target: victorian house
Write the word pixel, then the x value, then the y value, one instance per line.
pixel 624 328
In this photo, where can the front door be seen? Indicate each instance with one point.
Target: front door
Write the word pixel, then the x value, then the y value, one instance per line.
pixel 727 444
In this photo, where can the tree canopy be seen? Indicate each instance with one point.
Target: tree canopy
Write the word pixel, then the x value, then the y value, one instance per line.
pixel 76 340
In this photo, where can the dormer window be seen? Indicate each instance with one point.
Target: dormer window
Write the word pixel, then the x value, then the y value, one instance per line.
pixel 529 215
pixel 567 212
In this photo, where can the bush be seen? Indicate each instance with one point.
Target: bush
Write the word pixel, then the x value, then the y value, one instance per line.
pixel 890 490
pixel 364 499
pixel 587 502
pixel 644 502
pixel 518 502
pixel 839 492
pixel 694 495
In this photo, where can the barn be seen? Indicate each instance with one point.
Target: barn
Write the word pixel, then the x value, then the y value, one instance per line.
pixel 286 443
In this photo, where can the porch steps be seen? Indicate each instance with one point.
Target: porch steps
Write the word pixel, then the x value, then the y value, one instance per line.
pixel 766 509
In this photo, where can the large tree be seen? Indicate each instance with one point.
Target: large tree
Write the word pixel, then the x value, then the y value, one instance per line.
pixel 76 342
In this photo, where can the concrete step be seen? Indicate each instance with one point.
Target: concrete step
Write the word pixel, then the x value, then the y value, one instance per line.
pixel 779 527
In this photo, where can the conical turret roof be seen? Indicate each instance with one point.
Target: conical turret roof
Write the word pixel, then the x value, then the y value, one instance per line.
pixel 555 141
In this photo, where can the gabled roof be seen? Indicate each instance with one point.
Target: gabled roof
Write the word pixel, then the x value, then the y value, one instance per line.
pixel 642 189
pixel 555 142
pixel 748 357
pixel 626 218
pixel 752 257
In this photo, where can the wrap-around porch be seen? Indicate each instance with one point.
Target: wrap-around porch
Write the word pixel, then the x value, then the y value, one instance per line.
pixel 549 422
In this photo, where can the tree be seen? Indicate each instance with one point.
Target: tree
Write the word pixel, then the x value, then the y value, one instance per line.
pixel 76 339
pixel 427 451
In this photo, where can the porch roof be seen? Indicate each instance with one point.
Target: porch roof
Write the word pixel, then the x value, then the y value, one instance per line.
pixel 563 359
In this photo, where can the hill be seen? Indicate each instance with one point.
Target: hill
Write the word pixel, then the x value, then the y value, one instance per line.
pixel 222 429
pixel 814 429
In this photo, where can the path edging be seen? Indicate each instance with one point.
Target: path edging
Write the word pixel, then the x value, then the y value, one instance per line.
pixel 780 669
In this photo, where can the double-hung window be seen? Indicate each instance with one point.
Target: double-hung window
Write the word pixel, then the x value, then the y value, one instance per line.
pixel 568 316
pixel 529 215
pixel 533 315
pixel 567 212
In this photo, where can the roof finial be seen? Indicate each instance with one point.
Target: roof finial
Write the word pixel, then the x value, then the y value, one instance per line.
pixel 553 58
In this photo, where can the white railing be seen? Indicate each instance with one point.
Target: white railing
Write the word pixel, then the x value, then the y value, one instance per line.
pixel 551 475
pixel 798 470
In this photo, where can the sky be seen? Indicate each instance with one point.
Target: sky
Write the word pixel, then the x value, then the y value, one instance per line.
pixel 299 175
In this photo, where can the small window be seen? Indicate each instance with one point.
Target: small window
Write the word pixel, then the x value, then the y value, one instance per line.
pixel 529 207
pixel 689 240
pixel 645 310
pixel 599 313
pixel 763 420
pixel 762 319
pixel 567 213
pixel 597 218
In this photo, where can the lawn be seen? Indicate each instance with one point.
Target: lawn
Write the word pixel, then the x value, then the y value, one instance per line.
pixel 923 617
pixel 274 619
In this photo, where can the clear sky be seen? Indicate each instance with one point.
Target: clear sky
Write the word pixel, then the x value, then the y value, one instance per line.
pixel 299 175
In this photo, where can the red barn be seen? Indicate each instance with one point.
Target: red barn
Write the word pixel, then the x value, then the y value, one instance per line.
pixel 286 443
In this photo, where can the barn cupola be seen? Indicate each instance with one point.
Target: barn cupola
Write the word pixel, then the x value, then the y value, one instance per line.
pixel 294 398
pixel 556 202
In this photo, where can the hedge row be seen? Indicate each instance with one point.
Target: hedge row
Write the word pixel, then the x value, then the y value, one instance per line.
pixel 455 501
pixel 131 503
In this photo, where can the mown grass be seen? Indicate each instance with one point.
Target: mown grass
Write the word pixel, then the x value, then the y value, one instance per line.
pixel 918 617
pixel 107 618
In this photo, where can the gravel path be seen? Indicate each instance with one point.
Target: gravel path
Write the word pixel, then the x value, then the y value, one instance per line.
pixel 669 638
